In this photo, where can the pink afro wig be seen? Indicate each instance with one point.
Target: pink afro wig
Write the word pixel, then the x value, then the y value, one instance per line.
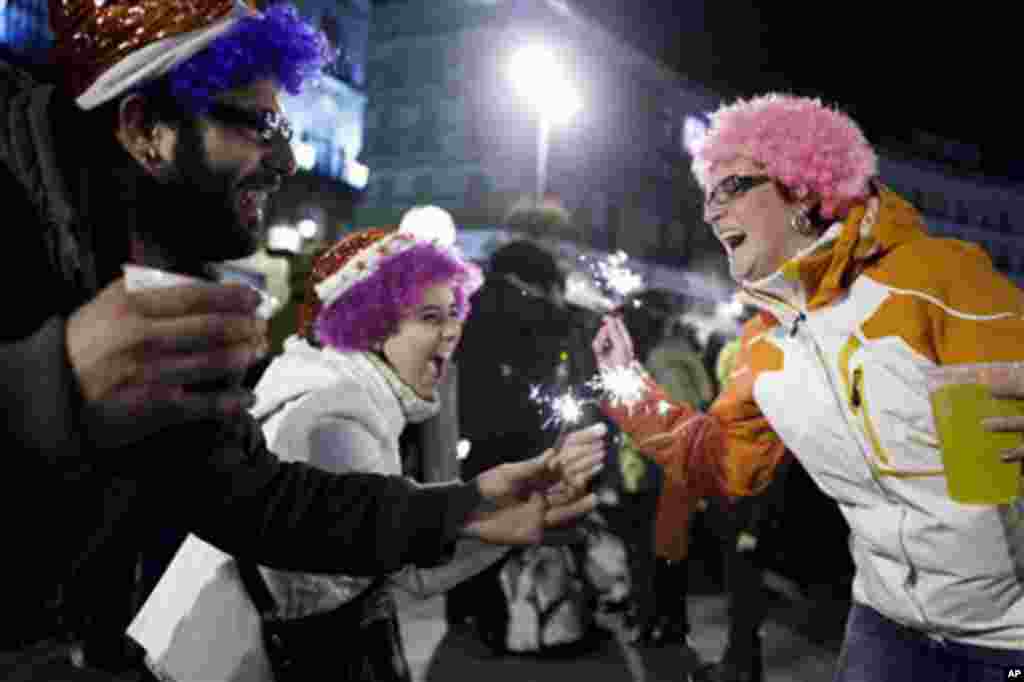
pixel 806 146
pixel 371 309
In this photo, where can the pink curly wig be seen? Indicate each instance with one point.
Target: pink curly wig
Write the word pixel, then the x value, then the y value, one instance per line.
pixel 371 310
pixel 806 146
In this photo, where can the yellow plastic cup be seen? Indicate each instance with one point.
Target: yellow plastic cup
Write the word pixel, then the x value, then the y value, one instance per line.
pixel 960 399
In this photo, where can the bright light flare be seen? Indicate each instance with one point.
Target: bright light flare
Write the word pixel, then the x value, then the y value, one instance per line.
pixel 537 74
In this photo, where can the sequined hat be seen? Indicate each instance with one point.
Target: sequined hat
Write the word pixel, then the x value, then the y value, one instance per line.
pixel 368 273
pixel 107 47
pixel 325 266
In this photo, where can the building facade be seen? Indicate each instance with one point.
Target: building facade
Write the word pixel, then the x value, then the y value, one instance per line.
pixel 445 125
pixel 419 107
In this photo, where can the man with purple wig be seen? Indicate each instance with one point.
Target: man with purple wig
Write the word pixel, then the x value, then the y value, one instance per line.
pixel 123 413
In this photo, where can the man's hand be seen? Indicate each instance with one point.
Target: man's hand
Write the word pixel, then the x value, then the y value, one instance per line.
pixel 579 460
pixel 528 522
pixel 1007 384
pixel 136 354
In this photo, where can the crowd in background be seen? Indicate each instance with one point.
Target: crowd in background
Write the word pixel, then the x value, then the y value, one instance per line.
pixel 524 333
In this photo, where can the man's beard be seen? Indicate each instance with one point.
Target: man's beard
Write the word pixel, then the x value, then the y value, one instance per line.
pixel 194 220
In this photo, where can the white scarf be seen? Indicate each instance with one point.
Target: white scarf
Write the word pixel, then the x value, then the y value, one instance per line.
pixel 415 408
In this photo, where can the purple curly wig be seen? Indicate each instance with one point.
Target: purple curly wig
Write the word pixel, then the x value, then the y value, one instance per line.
pixel 277 44
pixel 805 145
pixel 371 310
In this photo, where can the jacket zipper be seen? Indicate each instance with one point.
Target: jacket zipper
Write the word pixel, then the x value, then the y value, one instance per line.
pixel 794 330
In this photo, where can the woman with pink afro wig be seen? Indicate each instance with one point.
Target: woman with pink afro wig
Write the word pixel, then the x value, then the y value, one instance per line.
pixel 806 146
pixel 777 171
pixel 857 306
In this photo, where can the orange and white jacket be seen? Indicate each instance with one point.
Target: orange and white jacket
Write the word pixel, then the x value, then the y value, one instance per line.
pixel 833 369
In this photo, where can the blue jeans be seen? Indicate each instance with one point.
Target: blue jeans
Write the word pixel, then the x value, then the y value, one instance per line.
pixel 877 649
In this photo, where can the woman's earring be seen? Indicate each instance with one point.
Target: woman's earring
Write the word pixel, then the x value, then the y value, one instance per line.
pixel 801 224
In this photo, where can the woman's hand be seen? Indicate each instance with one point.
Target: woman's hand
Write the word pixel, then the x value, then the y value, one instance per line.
pixel 1007 385
pixel 612 344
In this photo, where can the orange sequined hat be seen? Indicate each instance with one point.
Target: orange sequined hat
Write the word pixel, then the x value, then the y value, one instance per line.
pixel 104 47
pixel 331 262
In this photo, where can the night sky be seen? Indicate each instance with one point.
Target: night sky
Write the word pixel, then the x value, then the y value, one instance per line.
pixel 931 69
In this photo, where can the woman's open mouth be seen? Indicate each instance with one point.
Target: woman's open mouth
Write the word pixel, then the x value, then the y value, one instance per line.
pixel 439 363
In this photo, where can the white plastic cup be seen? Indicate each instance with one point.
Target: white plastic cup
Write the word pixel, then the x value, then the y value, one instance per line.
pixel 138 278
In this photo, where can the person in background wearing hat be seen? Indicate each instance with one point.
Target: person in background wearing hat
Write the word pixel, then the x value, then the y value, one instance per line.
pixel 121 412
pixel 674 361
pixel 855 302
pixel 514 339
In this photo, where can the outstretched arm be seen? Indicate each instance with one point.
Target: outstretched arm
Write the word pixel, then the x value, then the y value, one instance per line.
pixel 730 450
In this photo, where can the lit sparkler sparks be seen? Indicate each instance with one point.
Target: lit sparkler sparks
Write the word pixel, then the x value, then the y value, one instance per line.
pixel 568 407
pixel 565 410
pixel 612 277
pixel 616 277
pixel 623 386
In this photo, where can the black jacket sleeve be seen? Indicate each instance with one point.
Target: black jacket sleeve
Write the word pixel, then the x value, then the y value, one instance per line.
pixel 39 396
pixel 240 497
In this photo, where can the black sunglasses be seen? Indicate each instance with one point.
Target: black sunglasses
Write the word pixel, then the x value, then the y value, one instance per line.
pixel 733 187
pixel 265 123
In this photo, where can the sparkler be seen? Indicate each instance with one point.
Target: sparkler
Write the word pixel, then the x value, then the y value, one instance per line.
pixel 623 386
pixel 620 386
pixel 617 278
pixel 612 277
pixel 566 411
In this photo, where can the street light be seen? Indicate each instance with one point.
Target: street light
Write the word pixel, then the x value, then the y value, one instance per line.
pixel 537 75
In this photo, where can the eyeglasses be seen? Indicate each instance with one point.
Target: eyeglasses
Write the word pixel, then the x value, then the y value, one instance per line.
pixel 733 187
pixel 265 123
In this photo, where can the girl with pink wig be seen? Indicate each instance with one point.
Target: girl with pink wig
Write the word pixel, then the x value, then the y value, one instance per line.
pixel 383 315
pixel 856 303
